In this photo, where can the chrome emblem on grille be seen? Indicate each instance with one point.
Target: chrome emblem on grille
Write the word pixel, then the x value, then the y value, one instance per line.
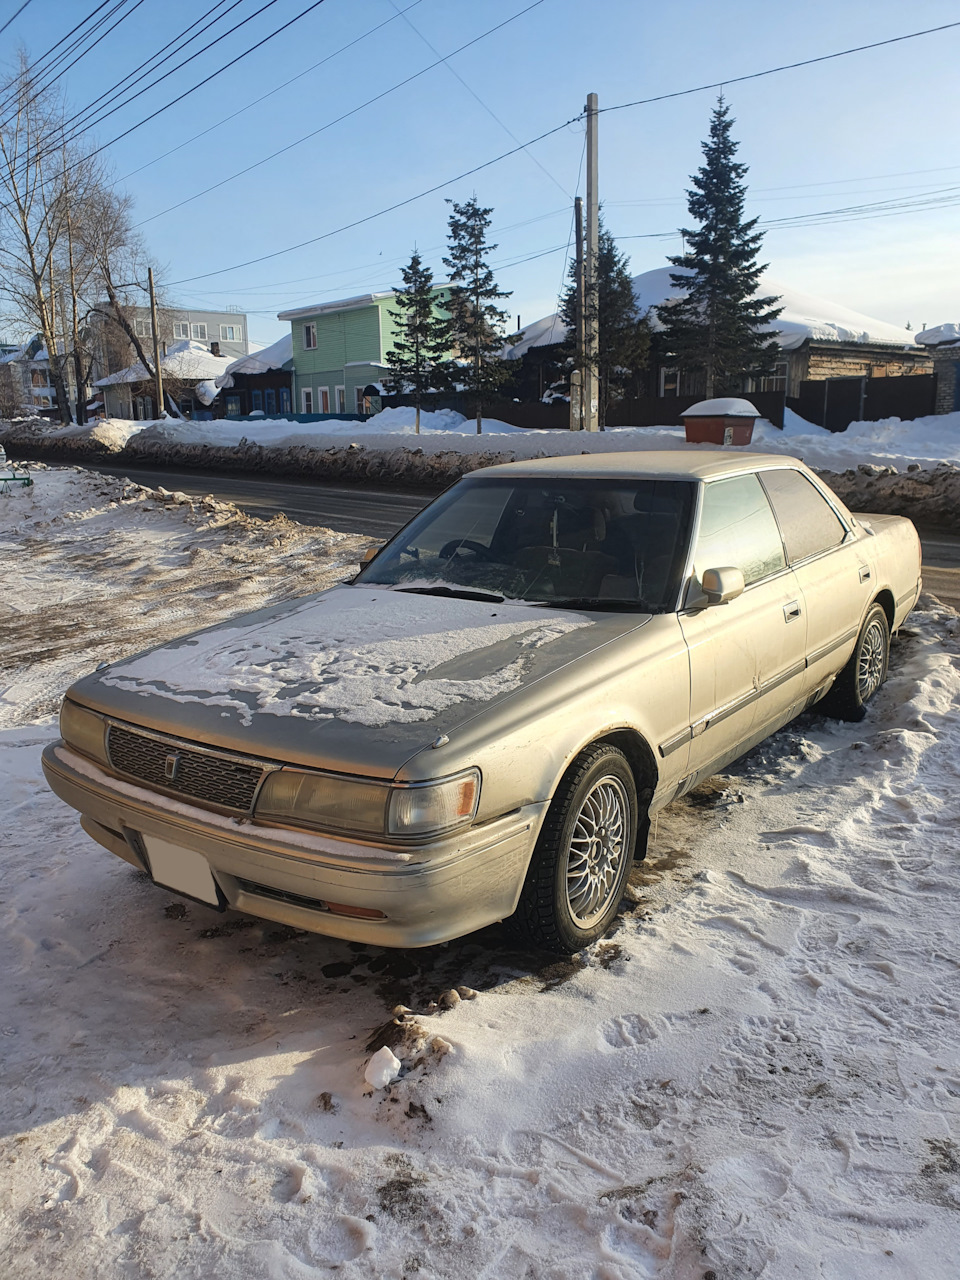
pixel 170 765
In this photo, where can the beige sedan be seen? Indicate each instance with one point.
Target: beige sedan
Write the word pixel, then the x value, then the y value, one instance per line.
pixel 480 725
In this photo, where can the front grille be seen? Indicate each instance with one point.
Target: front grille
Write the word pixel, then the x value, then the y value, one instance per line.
pixel 212 779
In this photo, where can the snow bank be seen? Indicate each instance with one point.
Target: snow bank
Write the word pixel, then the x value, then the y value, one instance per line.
pixel 448 447
pixel 757 1073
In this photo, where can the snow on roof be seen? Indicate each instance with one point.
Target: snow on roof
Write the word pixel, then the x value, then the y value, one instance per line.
pixel 188 361
pixel 722 407
pixel 804 316
pixel 344 304
pixel 938 335
pixel 272 357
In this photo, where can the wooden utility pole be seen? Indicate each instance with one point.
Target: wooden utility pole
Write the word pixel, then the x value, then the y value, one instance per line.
pixel 576 377
pixel 591 380
pixel 156 343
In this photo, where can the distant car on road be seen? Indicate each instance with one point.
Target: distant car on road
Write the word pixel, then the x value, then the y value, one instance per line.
pixel 480 724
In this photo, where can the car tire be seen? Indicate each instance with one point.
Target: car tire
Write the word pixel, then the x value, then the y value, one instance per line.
pixel 578 872
pixel 865 672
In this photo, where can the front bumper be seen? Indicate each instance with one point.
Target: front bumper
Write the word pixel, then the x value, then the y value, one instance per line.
pixel 428 894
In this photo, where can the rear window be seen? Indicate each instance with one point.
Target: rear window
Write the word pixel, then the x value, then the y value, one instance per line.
pixel 807 521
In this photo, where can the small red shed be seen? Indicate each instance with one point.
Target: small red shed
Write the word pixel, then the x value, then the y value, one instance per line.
pixel 725 420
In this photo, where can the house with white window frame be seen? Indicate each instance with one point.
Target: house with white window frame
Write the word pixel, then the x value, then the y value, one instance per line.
pixel 340 348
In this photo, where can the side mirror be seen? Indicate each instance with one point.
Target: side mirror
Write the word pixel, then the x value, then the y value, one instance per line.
pixel 368 555
pixel 721 585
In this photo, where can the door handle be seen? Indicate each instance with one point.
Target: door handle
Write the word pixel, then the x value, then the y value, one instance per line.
pixel 864 573
pixel 791 611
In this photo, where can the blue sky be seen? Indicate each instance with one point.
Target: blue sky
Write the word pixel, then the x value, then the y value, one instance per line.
pixel 874 126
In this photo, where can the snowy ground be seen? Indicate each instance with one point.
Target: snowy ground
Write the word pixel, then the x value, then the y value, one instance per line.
pixel 923 442
pixel 755 1074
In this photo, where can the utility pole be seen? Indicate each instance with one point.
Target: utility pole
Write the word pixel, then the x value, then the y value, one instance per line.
pixel 156 343
pixel 591 380
pixel 576 377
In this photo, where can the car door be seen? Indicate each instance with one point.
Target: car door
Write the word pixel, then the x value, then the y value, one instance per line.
pixel 746 656
pixel 834 577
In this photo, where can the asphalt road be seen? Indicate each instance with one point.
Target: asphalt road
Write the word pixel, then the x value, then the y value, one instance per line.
pixel 381 512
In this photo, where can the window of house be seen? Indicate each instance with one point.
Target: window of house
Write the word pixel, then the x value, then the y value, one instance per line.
pixel 256 399
pixel 306 399
pixel 284 399
pixel 807 521
pixel 181 329
pixel 186 406
pixel 669 382
pixel 776 380
pixel 323 400
pixel 360 400
pixel 142 328
pixel 737 528
pixel 270 400
pixel 233 407
pixel 341 399
pixel 198 332
pixel 309 337
pixel 231 333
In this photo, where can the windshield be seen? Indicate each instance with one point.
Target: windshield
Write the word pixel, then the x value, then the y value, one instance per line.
pixel 586 541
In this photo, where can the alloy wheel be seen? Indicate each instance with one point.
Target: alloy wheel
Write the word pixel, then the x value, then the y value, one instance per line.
pixel 597 849
pixel 870 663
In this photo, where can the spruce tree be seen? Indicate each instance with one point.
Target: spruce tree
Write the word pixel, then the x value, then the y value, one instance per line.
pixel 717 326
pixel 422 338
pixel 476 322
pixel 623 334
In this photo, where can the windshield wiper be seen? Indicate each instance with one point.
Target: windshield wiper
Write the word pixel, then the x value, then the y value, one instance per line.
pixel 597 602
pixel 457 593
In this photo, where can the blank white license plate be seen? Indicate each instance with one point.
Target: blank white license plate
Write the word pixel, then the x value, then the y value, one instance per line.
pixel 182 870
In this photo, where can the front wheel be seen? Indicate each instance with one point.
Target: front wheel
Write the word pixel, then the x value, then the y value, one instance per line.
pixel 864 673
pixel 579 868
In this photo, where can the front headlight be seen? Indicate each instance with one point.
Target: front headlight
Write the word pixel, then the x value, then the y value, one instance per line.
pixel 357 807
pixel 323 800
pixel 84 730
pixel 433 807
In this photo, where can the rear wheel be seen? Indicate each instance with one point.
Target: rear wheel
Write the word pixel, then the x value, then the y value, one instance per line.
pixel 864 673
pixel 579 868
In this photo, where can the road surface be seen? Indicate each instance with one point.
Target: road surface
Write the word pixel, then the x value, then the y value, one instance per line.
pixel 381 512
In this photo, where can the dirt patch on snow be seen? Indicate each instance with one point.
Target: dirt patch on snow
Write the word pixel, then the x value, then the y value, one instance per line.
pixel 94 568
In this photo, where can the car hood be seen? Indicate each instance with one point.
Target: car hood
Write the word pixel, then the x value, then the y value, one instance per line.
pixel 356 679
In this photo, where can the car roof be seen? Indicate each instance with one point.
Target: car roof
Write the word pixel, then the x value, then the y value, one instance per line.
pixel 657 464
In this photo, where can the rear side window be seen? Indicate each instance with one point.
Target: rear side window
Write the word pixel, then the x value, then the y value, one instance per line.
pixel 737 528
pixel 808 522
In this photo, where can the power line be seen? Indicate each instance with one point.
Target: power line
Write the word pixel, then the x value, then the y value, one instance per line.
pixel 473 93
pixel 151 64
pixel 787 66
pixel 61 59
pixel 43 57
pixel 15 17
pixel 380 262
pixel 400 204
pixel 548 133
pixel 944 198
pixel 192 88
pixel 240 173
pixel 263 97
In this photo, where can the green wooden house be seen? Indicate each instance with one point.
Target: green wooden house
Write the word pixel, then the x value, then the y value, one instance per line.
pixel 340 350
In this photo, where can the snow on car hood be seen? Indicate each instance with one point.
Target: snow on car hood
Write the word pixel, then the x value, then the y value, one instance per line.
pixel 366 655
